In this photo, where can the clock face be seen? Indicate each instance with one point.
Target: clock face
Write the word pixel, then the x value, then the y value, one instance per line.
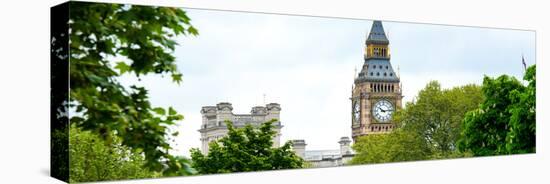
pixel 356 112
pixel 382 111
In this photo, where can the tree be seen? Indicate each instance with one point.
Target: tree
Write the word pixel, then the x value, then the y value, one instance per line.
pixel 427 128
pixel 521 137
pixel 141 38
pixel 437 114
pixel 505 121
pixel 92 159
pixel 393 147
pixel 245 149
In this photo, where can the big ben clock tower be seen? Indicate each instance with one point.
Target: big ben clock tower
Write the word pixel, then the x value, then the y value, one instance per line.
pixel 376 92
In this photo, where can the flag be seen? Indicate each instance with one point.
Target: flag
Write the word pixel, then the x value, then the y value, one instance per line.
pixel 523 62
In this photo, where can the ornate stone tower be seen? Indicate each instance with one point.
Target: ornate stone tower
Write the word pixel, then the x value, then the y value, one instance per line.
pixel 376 92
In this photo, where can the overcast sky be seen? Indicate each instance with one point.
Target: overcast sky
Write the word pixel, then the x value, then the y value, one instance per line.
pixel 307 64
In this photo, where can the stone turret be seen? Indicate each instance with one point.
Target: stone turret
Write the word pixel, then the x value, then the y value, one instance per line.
pixel 208 114
pixel 299 147
pixel 208 110
pixel 345 148
pixel 224 106
pixel 225 111
pixel 273 111
pixel 258 110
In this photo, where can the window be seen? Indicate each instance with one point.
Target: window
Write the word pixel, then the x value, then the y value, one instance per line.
pixel 377 73
pixel 385 74
pixel 391 74
pixel 370 73
pixel 387 67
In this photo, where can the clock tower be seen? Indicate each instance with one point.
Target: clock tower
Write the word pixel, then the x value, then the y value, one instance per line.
pixel 376 92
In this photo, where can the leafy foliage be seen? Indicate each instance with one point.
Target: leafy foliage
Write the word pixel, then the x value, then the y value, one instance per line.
pixel 427 128
pixel 93 159
pixel 393 147
pixel 246 149
pixel 59 151
pixel 142 37
pixel 505 121
pixel 437 114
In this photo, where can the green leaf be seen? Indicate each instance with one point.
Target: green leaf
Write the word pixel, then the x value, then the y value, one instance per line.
pixel 192 30
pixel 159 111
pixel 171 111
pixel 122 67
pixel 175 134
pixel 177 77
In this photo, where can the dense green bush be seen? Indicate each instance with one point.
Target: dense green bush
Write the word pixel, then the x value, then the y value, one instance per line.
pixel 93 159
pixel 246 149
pixel 505 122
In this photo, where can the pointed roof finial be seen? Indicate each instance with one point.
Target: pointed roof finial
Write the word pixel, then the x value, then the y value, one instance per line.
pixel 377 34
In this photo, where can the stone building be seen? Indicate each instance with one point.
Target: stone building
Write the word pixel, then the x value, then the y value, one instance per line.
pixel 376 92
pixel 325 158
pixel 213 121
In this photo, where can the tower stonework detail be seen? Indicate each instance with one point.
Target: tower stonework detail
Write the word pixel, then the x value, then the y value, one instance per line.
pixel 213 125
pixel 376 92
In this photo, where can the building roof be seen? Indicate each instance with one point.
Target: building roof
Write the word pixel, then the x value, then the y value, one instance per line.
pixel 377 70
pixel 322 154
pixel 318 155
pixel 377 34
